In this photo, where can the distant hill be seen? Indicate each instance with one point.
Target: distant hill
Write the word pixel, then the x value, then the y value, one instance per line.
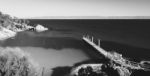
pixel 90 17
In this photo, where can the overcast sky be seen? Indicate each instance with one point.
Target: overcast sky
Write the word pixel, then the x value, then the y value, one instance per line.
pixel 37 8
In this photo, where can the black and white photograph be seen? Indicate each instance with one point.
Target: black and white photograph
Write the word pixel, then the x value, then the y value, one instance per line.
pixel 74 38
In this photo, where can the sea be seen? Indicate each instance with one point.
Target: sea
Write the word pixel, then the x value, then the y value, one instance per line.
pixel 62 46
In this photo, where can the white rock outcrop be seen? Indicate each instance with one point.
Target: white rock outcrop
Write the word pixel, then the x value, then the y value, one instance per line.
pixel 6 33
pixel 40 28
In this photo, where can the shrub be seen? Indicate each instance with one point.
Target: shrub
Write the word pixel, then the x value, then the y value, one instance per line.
pixel 15 62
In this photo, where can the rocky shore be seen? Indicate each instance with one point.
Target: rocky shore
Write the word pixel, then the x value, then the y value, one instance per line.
pixel 9 26
pixel 6 33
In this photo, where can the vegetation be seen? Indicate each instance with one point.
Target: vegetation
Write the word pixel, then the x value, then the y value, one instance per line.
pixel 15 62
pixel 11 22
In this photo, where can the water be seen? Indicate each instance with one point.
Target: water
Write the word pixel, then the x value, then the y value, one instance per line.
pixel 63 46
pixel 132 32
pixel 124 36
pixel 48 52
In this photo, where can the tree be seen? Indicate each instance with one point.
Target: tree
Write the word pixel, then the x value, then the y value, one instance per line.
pixel 15 62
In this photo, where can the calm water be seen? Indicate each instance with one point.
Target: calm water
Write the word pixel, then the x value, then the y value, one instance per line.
pixel 62 45
pixel 123 36
pixel 132 32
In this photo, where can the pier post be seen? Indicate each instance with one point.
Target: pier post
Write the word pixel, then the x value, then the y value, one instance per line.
pixel 99 42
pixel 88 37
pixel 43 71
pixel 92 38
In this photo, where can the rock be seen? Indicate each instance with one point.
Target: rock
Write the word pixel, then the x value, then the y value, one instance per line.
pixel 40 28
pixel 6 33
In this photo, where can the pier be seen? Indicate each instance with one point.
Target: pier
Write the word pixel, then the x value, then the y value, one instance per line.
pixel 113 56
pixel 97 47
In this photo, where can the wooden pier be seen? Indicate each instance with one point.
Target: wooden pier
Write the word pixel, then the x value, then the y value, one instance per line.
pixel 96 46
pixel 115 57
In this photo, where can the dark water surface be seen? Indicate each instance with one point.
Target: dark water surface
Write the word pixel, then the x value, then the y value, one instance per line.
pixel 131 32
pixel 129 37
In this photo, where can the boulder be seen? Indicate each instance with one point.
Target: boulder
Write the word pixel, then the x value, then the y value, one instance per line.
pixel 40 28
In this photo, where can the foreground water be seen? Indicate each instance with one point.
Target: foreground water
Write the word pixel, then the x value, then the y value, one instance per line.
pixel 48 54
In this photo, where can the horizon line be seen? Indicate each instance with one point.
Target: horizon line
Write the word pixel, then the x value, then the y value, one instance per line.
pixel 89 17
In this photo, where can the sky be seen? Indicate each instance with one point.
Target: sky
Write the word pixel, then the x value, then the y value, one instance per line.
pixel 39 8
